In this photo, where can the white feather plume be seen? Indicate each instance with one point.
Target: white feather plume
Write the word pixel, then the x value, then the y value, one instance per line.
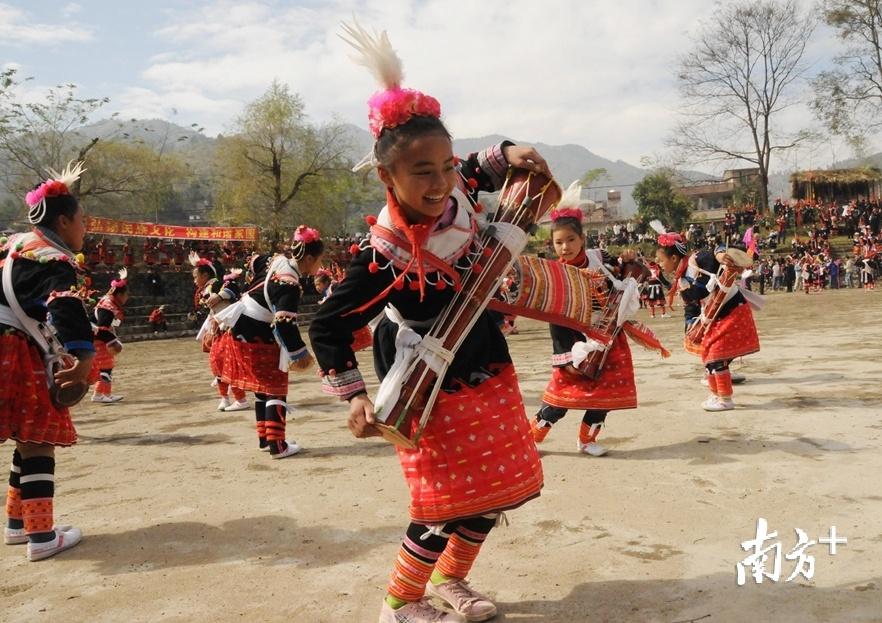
pixel 69 175
pixel 123 274
pixel 571 197
pixel 374 52
pixel 658 226
pixel 193 258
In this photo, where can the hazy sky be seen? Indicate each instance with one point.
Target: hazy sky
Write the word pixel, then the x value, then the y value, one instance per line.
pixel 594 73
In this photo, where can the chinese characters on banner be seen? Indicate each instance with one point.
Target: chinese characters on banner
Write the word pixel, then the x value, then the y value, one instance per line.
pixel 760 566
pixel 111 227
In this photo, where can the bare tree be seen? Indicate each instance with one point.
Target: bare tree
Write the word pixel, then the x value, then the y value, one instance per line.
pixel 744 69
pixel 848 98
pixel 44 133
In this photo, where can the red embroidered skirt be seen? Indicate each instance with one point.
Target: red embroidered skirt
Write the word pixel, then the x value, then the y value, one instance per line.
pixel 216 353
pixel 730 337
pixel 26 411
pixel 614 389
pixel 252 366
pixel 476 454
pixel 104 360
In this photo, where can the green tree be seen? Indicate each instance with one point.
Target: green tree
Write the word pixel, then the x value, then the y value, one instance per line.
pixel 848 97
pixel 744 69
pixel 657 198
pixel 279 170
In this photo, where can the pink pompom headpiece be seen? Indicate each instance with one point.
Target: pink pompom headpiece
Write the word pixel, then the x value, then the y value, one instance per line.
pixel 670 239
pixel 120 283
pixel 49 188
pixel 306 234
pixel 560 213
pixel 396 106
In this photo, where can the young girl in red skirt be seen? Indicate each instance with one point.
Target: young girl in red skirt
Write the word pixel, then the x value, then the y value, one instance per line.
pixel 40 275
pixel 214 294
pixel 569 388
pixel 730 335
pixel 109 315
pixel 264 343
pixel 475 458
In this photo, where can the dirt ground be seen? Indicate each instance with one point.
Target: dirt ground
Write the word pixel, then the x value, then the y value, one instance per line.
pixel 184 520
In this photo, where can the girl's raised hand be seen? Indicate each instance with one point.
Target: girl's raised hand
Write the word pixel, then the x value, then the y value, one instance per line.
pixel 522 157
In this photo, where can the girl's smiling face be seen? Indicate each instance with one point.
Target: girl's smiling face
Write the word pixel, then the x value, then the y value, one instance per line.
pixel 422 177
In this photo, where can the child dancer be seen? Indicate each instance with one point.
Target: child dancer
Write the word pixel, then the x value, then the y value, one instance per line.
pixel 419 245
pixel 264 343
pixel 40 285
pixel 655 290
pixel 569 388
pixel 732 333
pixel 214 295
pixel 108 317
pixel 157 319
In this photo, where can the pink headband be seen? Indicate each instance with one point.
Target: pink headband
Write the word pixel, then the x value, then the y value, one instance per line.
pixel 396 106
pixel 306 234
pixel 575 213
pixel 670 239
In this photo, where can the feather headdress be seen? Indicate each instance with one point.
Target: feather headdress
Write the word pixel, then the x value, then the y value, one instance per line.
pixel 568 206
pixel 197 261
pixel 392 106
pixel 121 282
pixel 57 185
pixel 666 238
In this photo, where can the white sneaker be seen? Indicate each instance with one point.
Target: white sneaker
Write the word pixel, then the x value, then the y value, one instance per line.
pixel 64 539
pixel 593 448
pixel 291 450
pixel 464 599
pixel 106 399
pixel 417 612
pixel 18 536
pixel 223 404
pixel 716 403
pixel 666 316
pixel 239 405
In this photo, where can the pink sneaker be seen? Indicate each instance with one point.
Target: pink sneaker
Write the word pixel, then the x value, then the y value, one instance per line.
pixel 464 599
pixel 417 612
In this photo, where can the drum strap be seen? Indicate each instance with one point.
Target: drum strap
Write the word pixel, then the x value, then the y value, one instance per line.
pixel 25 323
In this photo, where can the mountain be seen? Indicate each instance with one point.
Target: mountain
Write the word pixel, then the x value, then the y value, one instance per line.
pixel 567 162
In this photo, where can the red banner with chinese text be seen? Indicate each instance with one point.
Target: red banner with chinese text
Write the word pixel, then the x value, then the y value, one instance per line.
pixel 111 227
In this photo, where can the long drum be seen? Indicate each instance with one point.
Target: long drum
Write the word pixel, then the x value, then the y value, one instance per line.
pixel 524 198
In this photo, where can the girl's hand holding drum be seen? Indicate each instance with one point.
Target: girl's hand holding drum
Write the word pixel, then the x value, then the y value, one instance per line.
pixel 521 157
pixel 361 417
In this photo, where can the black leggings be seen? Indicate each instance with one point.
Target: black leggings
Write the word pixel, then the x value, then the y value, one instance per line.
pixel 553 414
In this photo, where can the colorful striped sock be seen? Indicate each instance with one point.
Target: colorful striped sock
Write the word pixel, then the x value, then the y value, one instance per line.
pixel 260 417
pixel 462 549
pixel 274 421
pixel 37 493
pixel 13 494
pixel 724 383
pixel 416 560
